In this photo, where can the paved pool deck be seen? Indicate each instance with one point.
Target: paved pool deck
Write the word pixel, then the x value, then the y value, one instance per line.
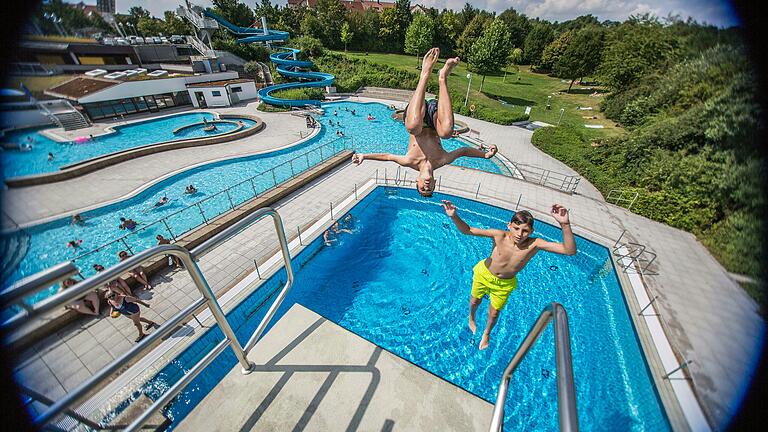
pixel 712 321
pixel 314 375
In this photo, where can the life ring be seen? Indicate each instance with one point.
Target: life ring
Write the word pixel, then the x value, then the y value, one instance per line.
pixel 472 108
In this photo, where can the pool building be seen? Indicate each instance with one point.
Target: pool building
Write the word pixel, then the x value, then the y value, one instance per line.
pixel 284 287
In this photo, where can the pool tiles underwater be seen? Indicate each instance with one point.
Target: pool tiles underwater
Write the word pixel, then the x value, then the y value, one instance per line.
pixel 402 281
pixel 47 241
pixel 21 163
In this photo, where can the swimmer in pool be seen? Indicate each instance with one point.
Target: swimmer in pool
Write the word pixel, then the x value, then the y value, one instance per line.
pixel 512 249
pixel 427 122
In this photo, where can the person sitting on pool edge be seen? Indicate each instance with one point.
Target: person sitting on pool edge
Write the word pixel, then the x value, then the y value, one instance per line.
pixel 137 272
pixel 427 122
pixel 497 274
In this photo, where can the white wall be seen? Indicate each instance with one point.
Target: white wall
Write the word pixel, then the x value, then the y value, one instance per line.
pixel 151 87
pixel 248 90
pixel 210 99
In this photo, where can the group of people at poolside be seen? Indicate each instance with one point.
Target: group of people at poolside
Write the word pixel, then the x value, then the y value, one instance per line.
pixel 119 295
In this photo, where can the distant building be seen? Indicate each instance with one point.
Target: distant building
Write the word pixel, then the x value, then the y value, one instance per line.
pixel 106 6
pixel 88 10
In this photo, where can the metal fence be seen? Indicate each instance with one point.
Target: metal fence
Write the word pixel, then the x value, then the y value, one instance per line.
pixel 545 177
pixel 176 224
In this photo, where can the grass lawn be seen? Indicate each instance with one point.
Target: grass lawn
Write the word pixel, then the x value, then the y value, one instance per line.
pixel 38 84
pixel 520 89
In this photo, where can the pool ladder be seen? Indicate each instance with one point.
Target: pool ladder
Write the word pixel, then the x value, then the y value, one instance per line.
pixel 566 395
pixel 46 278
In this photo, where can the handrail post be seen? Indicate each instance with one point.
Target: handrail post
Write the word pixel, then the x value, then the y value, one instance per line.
pixel 477 192
pixel 517 206
pixel 298 228
pixel 355 191
pixel 274 178
pixel 648 305
pixel 125 243
pixel 201 213
pixel 169 229
pixel 566 397
pixel 229 197
pixel 255 264
pixel 253 186
pixel 331 210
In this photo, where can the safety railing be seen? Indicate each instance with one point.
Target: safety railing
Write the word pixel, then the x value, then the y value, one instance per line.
pixel 545 177
pixel 202 212
pixel 620 196
pixel 208 299
pixel 400 178
pixel 636 254
pixel 566 393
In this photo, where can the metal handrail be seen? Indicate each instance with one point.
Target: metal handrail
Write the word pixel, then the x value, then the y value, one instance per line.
pixel 207 299
pixel 36 282
pixel 566 394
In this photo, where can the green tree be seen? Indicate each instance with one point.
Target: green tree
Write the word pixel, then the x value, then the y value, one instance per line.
pixel 403 17
pixel 331 14
pixel 538 38
pixel 390 30
pixel 515 58
pixel 174 25
pixel 291 18
pixel 582 56
pixel 235 12
pixel 266 10
pixel 150 27
pixel 447 31
pixel 470 34
pixel 491 51
pixel 310 26
pixel 554 51
pixel 346 34
pixel 418 37
pixel 635 48
pixel 518 26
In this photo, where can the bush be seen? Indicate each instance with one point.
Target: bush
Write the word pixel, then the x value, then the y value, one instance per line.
pixel 310 47
pixel 313 93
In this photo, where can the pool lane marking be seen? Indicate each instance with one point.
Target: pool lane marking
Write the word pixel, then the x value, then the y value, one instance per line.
pixel 144 367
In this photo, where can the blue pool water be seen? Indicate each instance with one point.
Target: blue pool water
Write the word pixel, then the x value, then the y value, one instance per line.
pixel 48 241
pixel 21 163
pixel 402 281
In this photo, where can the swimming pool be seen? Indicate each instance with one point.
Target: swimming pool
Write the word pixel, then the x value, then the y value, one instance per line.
pixel 48 241
pixel 402 281
pixel 21 163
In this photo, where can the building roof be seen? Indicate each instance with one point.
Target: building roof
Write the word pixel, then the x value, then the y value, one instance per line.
pixel 79 87
pixel 221 83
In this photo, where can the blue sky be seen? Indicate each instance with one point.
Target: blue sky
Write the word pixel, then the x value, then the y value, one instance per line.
pixel 714 12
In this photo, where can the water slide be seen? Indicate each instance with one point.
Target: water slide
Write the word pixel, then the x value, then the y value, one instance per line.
pixel 285 60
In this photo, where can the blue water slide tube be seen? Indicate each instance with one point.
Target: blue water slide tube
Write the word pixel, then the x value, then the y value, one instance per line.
pixel 284 60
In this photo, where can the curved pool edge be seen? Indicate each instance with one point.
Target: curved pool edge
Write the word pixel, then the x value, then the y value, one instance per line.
pixel 110 159
pixel 147 185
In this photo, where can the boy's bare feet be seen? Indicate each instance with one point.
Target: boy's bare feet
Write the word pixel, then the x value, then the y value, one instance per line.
pixel 430 59
pixel 448 67
pixel 484 341
pixel 472 325
pixel 492 150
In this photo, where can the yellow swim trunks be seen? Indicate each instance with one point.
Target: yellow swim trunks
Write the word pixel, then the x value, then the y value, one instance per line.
pixel 484 282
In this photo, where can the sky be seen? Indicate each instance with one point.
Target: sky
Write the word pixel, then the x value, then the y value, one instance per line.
pixel 714 12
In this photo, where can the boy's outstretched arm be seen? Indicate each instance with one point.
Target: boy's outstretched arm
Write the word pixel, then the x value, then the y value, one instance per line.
pixel 471 152
pixel 358 158
pixel 568 246
pixel 450 210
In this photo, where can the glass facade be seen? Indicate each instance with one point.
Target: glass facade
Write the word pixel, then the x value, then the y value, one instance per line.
pixel 152 103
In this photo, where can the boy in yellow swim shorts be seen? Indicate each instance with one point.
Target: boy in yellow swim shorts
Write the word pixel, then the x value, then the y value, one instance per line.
pixel 512 249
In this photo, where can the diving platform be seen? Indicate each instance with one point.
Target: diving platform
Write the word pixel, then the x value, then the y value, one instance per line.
pixel 314 375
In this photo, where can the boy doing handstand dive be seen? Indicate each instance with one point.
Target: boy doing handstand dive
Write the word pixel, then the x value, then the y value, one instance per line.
pixel 427 122
pixel 497 274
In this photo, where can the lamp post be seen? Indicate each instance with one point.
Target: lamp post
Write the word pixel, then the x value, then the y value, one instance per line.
pixel 469 77
pixel 562 110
